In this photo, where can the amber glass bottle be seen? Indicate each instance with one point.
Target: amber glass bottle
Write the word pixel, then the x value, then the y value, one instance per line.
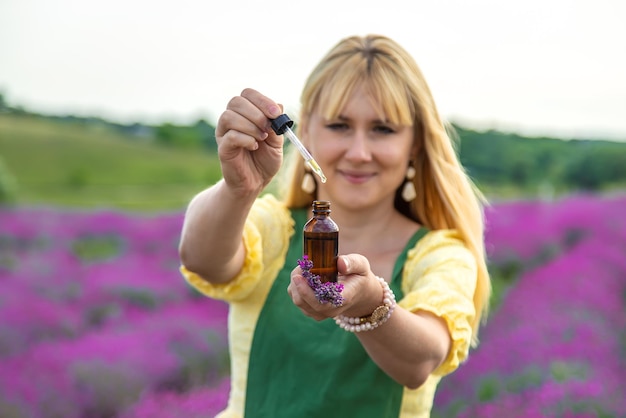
pixel 321 242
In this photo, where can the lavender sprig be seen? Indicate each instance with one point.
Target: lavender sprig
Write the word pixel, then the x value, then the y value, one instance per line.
pixel 324 292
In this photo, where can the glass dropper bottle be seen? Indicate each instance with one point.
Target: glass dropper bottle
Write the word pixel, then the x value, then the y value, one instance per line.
pixel 321 242
pixel 282 126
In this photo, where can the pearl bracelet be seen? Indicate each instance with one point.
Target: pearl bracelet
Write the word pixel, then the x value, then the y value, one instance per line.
pixel 380 315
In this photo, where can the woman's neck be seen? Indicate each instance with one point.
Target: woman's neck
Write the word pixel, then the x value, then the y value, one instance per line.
pixel 374 230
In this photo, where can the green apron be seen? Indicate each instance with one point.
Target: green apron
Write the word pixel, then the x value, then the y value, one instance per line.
pixel 302 368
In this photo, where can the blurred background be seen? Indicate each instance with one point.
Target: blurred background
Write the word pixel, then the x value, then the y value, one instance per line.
pixel 107 118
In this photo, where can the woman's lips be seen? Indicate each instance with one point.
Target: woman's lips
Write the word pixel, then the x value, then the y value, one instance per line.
pixel 356 177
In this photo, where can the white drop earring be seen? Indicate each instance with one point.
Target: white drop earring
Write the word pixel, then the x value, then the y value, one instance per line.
pixel 408 190
pixel 308 183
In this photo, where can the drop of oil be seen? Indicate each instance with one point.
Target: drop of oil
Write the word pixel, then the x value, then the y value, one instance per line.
pixel 316 169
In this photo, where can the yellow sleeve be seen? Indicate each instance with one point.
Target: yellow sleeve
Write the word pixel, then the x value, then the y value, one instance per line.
pixel 266 238
pixel 440 277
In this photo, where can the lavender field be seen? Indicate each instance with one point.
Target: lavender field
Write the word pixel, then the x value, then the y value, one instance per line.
pixel 95 320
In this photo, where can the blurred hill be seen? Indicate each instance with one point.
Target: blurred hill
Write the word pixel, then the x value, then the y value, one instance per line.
pixel 86 165
pixel 500 161
pixel 90 162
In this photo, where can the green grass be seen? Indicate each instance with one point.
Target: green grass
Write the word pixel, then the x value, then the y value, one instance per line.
pixel 72 165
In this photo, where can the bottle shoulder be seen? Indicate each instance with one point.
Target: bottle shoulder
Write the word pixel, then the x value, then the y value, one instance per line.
pixel 321 225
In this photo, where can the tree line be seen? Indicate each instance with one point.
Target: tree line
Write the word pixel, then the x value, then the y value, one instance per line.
pixel 498 158
pixel 492 158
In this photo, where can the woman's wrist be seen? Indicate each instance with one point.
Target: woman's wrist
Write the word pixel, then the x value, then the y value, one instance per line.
pixel 379 315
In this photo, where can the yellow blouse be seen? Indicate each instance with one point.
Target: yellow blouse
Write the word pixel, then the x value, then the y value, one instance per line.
pixel 439 276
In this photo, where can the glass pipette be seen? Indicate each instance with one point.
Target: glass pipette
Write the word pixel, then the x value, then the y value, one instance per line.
pixel 282 126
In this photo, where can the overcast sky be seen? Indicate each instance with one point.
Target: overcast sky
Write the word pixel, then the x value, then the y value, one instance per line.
pixel 540 67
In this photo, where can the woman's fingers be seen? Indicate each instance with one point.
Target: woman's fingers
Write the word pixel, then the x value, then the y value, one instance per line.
pixel 253 107
pixel 268 107
pixel 304 298
pixel 236 131
pixel 353 264
pixel 245 122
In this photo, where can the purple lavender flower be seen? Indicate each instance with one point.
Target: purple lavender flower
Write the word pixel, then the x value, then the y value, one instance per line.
pixel 95 319
pixel 324 292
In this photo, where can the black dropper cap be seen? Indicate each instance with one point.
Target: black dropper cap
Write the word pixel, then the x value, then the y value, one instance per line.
pixel 281 123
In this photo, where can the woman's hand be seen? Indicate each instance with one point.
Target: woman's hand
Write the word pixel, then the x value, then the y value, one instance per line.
pixel 362 293
pixel 250 152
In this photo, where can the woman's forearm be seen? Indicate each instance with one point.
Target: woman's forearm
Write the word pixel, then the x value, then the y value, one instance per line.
pixel 211 239
pixel 409 347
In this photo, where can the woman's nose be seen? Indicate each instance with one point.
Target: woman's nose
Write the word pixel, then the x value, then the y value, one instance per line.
pixel 358 148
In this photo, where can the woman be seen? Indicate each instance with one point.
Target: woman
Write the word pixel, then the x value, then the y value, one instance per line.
pixel 406 212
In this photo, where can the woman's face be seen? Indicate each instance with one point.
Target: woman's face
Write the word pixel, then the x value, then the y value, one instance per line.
pixel 364 158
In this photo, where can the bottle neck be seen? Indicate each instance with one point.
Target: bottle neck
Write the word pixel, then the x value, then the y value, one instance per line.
pixel 321 208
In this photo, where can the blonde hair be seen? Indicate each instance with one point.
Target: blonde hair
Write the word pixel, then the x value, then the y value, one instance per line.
pixel 447 198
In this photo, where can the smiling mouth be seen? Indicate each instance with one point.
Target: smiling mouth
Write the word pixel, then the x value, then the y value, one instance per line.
pixel 356 177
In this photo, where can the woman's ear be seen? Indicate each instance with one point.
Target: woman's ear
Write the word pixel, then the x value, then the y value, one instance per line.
pixel 418 140
pixel 416 148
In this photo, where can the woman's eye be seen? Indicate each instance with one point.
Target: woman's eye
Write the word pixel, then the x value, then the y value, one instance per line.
pixel 337 126
pixel 383 129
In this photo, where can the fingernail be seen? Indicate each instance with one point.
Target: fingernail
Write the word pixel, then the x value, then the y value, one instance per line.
pixel 275 111
pixel 346 260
